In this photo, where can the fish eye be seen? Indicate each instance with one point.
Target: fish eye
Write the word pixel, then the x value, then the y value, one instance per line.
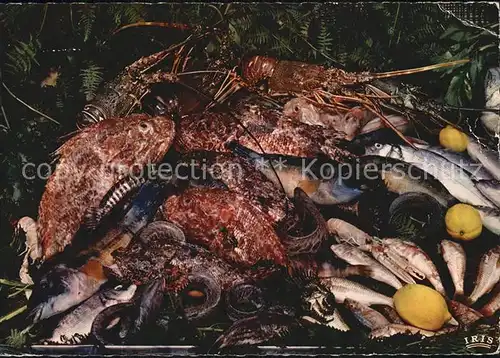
pixel 119 288
pixel 145 126
pixel 378 145
pixel 296 108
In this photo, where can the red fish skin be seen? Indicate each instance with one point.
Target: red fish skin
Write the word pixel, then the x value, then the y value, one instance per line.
pixel 87 170
pixel 227 224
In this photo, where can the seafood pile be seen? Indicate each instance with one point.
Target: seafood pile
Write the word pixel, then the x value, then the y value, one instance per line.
pixel 256 212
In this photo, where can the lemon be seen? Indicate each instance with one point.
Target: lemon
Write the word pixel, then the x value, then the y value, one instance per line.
pixel 421 306
pixel 453 139
pixel 463 222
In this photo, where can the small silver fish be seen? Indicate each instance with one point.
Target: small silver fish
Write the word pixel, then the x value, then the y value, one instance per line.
pixel 366 315
pixel 493 304
pixel 488 274
pixel 490 189
pixel 464 314
pixel 490 218
pixel 475 169
pixel 342 289
pixel 355 256
pixel 418 259
pixel 454 256
pixel 348 233
pixel 76 326
pixel 489 158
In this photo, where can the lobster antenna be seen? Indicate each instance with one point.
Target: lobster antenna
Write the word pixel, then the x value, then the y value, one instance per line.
pixel 417 70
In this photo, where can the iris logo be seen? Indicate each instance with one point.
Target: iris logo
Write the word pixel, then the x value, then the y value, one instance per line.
pixel 479 341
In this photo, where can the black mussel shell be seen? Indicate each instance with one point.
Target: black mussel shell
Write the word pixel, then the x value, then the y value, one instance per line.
pixel 244 300
pixel 415 216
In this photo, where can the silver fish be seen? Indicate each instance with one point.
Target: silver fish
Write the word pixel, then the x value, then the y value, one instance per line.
pixel 348 233
pixel 493 304
pixel 454 178
pixel 393 329
pixel 342 289
pixel 475 169
pixel 355 256
pixel 76 326
pixel 366 315
pixel 464 314
pixel 490 189
pixel 488 274
pixel 491 119
pixel 490 218
pixel 400 122
pixel 454 256
pixel 418 259
pixel 61 289
pixel 489 158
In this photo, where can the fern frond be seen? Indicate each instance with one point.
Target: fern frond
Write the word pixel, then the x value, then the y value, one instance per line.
pixel 22 56
pixel 87 20
pixel 17 339
pixel 325 40
pixel 91 79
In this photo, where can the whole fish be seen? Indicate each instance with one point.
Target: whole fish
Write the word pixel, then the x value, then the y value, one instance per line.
pixel 305 111
pixel 475 169
pixel 347 233
pixel 75 327
pixel 63 288
pixel 394 329
pixel 418 259
pixel 488 274
pixel 366 315
pixel 355 256
pixel 454 256
pixel 324 187
pixel 490 189
pixel 491 119
pixel 454 178
pixel 212 131
pixel 464 314
pixel 489 158
pixel 490 218
pixel 89 166
pixel 344 289
pixel 400 177
pixel 227 224
pixel 490 308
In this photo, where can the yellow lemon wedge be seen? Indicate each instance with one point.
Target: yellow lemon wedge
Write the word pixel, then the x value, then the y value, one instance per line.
pixel 421 306
pixel 463 222
pixel 453 139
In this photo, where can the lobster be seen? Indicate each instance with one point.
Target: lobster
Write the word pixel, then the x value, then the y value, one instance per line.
pixel 336 85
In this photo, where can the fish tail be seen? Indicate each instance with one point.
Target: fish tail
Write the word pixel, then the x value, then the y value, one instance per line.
pixel 93 217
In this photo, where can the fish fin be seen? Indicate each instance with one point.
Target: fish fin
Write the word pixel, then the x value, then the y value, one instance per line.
pixel 94 268
pixel 92 217
pixel 309 186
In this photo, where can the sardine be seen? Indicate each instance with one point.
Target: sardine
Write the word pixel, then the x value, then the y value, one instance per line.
pixel 319 179
pixel 488 274
pixel 342 289
pixel 366 315
pixel 62 288
pixel 490 218
pixel 454 256
pixel 76 326
pixel 490 189
pixel 347 233
pixel 489 158
pixel 328 270
pixel 493 304
pixel 391 314
pixel 393 329
pixel 418 259
pixel 454 178
pixel 475 169
pixel 464 314
pixel 355 256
